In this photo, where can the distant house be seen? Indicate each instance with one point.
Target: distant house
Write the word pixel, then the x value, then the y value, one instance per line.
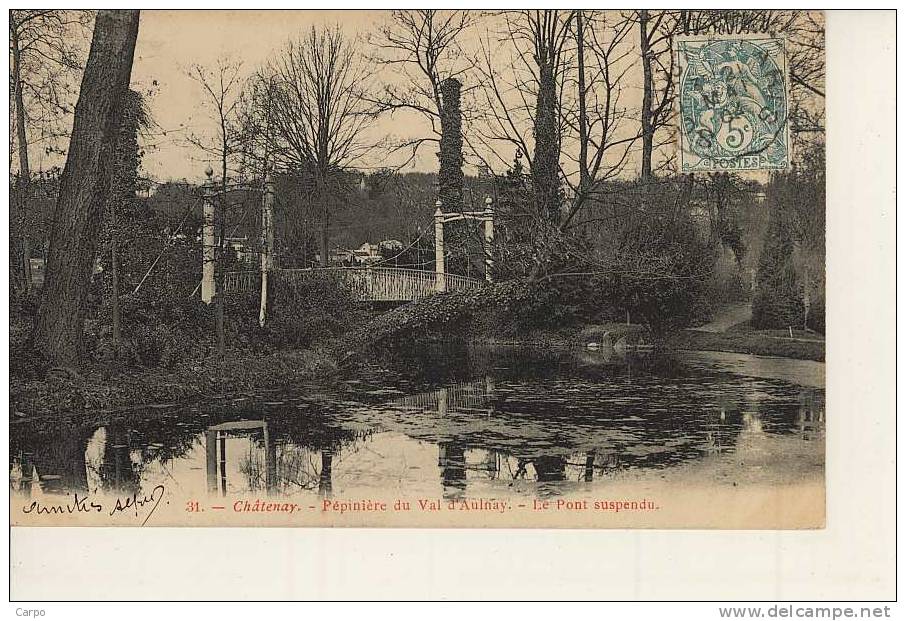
pixel 366 254
pixel 240 248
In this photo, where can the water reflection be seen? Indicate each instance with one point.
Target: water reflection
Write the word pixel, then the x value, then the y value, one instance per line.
pixel 117 472
pixel 451 460
pixel 215 442
pixel 811 416
pixel 519 428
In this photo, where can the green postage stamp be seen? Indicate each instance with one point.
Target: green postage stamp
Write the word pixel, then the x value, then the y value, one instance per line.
pixel 733 103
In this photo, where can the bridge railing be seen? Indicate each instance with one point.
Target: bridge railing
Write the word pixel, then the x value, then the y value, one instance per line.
pixel 391 284
pixel 240 282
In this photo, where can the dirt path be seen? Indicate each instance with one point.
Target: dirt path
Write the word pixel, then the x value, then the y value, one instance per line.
pixel 726 317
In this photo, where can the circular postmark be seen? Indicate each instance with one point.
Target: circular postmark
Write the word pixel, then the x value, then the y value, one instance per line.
pixel 733 100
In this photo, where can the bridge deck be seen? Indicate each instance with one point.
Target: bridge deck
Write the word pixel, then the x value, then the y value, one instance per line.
pixel 380 284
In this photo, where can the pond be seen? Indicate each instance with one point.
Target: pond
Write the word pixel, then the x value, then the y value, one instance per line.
pixel 457 423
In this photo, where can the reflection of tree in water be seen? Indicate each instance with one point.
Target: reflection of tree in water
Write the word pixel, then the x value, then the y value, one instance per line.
pixel 720 434
pixel 132 443
pixel 560 445
pixel 325 480
pixel 21 474
pixel 550 468
pixel 548 420
pixel 117 472
pixel 433 363
pixel 451 459
pixel 810 419
pixel 57 458
pixel 253 466
pixel 553 468
pixel 627 422
pixel 297 466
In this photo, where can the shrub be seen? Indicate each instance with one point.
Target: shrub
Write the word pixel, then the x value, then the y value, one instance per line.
pixel 778 301
pixel 663 271
pixel 163 330
pixel 302 311
pixel 775 307
pixel 816 316
pixel 155 331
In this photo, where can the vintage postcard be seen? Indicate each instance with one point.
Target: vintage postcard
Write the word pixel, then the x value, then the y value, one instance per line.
pixel 417 268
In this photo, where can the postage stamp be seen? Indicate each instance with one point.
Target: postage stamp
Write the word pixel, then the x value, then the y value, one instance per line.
pixel 733 103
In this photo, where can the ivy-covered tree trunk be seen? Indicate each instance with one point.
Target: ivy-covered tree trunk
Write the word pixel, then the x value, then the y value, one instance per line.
pixel 449 177
pixel 546 162
pixel 85 185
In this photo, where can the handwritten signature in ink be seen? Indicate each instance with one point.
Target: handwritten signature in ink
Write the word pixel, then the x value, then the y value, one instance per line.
pixel 133 503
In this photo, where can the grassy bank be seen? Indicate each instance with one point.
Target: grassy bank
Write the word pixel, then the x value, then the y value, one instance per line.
pixel 757 342
pixel 739 339
pixel 101 387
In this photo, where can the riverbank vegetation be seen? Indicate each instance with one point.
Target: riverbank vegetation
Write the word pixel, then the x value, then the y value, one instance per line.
pixel 594 226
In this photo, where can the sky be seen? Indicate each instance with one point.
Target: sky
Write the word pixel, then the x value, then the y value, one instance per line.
pixel 170 42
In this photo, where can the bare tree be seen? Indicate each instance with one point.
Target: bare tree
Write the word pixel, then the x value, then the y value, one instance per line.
pixel 574 130
pixel 548 33
pixel 597 120
pixel 46 52
pixel 85 185
pixel 222 89
pixel 525 105
pixel 44 56
pixel 426 45
pixel 593 56
pixel 318 116
pixel 656 30
pixel 804 32
pixel 256 136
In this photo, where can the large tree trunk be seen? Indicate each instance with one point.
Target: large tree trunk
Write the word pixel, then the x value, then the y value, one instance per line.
pixel 449 175
pixel 647 95
pixel 546 163
pixel 85 185
pixel 16 279
pixel 23 253
pixel 324 204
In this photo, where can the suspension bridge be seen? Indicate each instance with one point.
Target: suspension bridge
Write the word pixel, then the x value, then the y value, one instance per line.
pixel 370 284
